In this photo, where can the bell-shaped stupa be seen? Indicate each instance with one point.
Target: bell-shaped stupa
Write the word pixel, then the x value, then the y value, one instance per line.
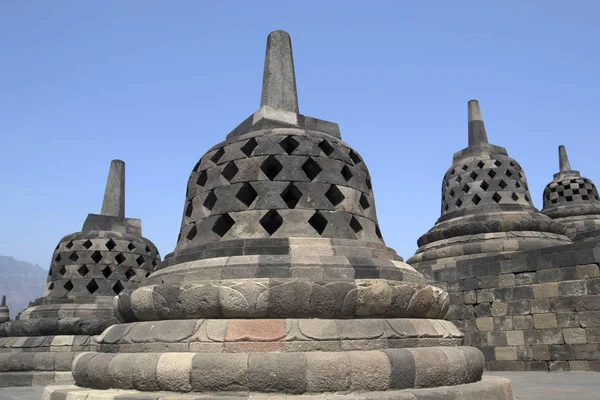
pixel 573 201
pixel 88 269
pixel 486 206
pixel 280 281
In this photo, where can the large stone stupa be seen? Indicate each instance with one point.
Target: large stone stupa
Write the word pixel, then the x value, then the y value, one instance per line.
pixel 486 206
pixel 281 282
pixel 573 201
pixel 88 269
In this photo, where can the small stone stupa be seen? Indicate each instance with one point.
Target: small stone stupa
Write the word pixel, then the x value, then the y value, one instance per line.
pixel 281 282
pixel 573 201
pixel 88 269
pixel 486 206
pixel 4 314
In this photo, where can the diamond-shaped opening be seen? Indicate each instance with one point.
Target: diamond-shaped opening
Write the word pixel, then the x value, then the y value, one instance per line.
pixel 110 244
pixel 246 194
pixel 68 245
pixel 473 175
pixel 355 225
pixel 68 285
pixel 57 246
pixel 465 167
pixel 230 171
pixel 458 179
pixel 130 273
pixel 51 286
pixel 249 147
pixel 512 164
pixel 120 258
pixel 496 197
pixel 291 195
pixel 289 144
pixel 326 147
pixel 57 258
pixel 154 263
pixel 118 287
pixel 148 249
pixel 481 164
pixel 140 261
pixel 202 178
pixel 368 182
pixel 509 173
pixel 526 198
pixel 458 203
pixel 491 173
pixel 346 173
pixel 520 175
pixel 271 167
pixel 92 286
pixel 97 257
pixel 210 201
pixel 148 274
pixel 451 193
pixel 466 188
pixel 334 195
pixel 189 209
pixel 74 257
pixel 311 168
pixel 271 222
pixel 446 207
pixel 364 202
pixel 378 232
pixel 476 199
pixel 217 156
pixel 87 244
pixel 83 270
pixel 355 157
pixel 223 225
pixel 318 222
pixel 484 185
pixel 497 163
pixel 514 196
pixel 107 272
pixel 452 172
pixel 192 233
pixel 502 184
pixel 518 184
pixel 62 270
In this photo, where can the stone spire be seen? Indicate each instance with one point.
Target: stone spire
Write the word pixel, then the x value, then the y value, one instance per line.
pixel 477 134
pixel 563 159
pixel 114 195
pixel 572 200
pixel 279 79
pixel 280 272
pixel 484 192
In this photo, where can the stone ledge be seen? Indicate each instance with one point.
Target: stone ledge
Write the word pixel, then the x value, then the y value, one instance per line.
pixel 489 388
pixel 292 373
pixel 31 378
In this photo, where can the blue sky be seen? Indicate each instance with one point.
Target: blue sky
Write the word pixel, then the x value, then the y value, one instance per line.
pixel 157 83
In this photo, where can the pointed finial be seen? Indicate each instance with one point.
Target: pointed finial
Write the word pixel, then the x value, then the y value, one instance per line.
pixel 477 133
pixel 279 80
pixel 3 301
pixel 563 159
pixel 114 195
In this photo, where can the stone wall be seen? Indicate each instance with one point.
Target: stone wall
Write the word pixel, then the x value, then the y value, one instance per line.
pixel 531 310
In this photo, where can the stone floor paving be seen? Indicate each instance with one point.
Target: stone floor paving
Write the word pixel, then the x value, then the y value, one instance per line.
pixel 526 386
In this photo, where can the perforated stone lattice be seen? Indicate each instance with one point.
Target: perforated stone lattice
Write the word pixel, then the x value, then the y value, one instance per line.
pixel 100 266
pixel 279 184
pixel 570 190
pixel 480 182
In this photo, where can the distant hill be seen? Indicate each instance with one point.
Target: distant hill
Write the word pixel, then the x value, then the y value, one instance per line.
pixel 21 282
